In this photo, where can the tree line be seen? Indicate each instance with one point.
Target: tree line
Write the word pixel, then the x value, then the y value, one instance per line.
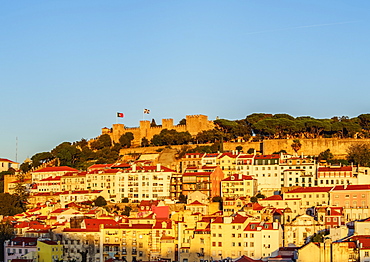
pixel 257 126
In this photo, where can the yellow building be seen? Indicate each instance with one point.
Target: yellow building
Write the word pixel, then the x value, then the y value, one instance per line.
pixel 310 196
pixel 73 181
pixel 49 251
pixel 228 164
pixel 238 185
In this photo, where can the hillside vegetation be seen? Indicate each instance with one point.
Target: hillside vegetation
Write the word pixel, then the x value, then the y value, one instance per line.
pixel 256 127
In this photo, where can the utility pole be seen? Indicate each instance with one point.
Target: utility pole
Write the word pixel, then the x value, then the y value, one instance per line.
pixel 16 149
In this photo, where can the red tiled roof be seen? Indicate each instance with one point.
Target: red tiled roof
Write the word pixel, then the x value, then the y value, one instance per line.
pixel 48 242
pixel 245 156
pixel 239 219
pixel 273 156
pixel 335 169
pixel 228 154
pixel 274 197
pixel 95 223
pixel 57 178
pixel 99 166
pixel 56 169
pixel 247 259
pixel 211 155
pixel 352 187
pixel 150 169
pixel 310 190
pixel 7 160
pixel 149 203
pixel 78 192
pixel 59 210
pixel 70 174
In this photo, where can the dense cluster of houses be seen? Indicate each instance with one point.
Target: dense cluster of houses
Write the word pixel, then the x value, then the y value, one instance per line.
pixel 210 207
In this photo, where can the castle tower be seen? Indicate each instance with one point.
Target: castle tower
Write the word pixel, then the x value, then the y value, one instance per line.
pixel 167 124
pixel 117 131
pixel 198 123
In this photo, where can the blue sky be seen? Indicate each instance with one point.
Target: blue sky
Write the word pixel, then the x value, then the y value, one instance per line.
pixel 67 67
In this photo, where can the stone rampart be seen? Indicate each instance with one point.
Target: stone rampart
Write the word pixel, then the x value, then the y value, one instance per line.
pixel 194 125
pixel 312 147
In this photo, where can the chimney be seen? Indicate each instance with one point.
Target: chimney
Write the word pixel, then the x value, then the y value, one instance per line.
pixel 158 167
pixel 133 167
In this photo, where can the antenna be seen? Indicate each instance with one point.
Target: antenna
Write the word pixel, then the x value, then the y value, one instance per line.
pixel 16 149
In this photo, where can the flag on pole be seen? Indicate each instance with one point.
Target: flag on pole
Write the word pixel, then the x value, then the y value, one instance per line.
pixel 120 114
pixel 146 111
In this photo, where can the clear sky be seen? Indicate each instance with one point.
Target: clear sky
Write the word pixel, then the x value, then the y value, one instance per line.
pixel 67 67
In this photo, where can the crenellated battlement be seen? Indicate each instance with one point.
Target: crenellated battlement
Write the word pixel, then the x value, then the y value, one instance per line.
pixel 194 125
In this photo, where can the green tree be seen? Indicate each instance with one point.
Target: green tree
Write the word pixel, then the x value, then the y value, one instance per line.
pixel 127 211
pixel 259 195
pixel 232 129
pixel 67 154
pixel 286 116
pixel 209 136
pixel 41 158
pixel 359 154
pixel 126 138
pixel 153 123
pixel 256 117
pixel 182 121
pixel 100 201
pixel 239 148
pixel 144 142
pixel 296 145
pixel 25 167
pixel 319 237
pixel 11 205
pixel 171 137
pixel 125 200
pixel 103 141
pixel 6 233
pixel 253 199
pixel 364 121
pixel 325 155
pixel 182 199
pixel 251 151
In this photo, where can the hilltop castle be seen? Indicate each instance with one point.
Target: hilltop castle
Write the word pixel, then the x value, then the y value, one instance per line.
pixel 194 125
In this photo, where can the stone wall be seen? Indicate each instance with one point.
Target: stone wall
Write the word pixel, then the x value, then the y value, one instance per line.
pixel 311 147
pixel 338 147
pixel 194 125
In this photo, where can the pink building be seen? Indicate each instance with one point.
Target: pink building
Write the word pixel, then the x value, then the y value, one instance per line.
pixel 335 175
pixel 354 198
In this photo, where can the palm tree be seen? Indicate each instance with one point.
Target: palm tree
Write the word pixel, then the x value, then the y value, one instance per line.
pixel 296 145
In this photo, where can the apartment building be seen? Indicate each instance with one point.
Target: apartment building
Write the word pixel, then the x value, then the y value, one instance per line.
pixel 206 179
pixel 51 172
pixel 354 199
pixel 310 196
pixel 237 185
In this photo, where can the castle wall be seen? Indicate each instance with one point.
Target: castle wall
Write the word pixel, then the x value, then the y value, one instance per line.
pixel 313 146
pixel 194 125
